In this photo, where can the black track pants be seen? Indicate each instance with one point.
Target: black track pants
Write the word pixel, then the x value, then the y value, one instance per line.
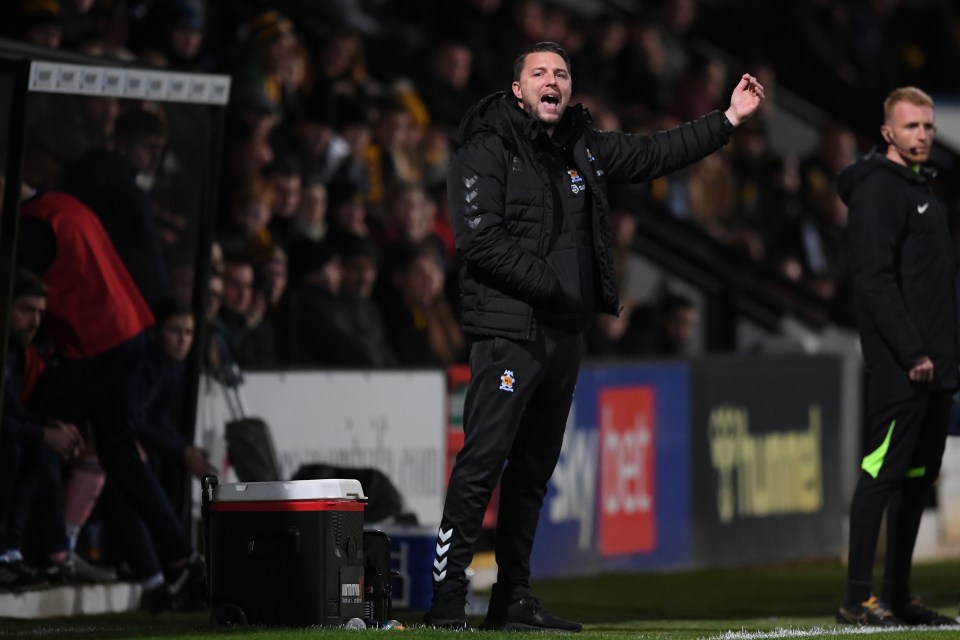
pixel 903 460
pixel 515 413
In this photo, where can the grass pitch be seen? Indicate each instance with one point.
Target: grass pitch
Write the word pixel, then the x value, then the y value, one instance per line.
pixel 756 603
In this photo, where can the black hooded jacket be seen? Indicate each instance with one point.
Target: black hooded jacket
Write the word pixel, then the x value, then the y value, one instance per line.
pixel 903 269
pixel 502 204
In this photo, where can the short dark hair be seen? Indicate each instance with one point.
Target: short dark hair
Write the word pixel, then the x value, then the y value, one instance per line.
pixel 551 47
pixel 672 301
pixel 26 283
pixel 353 246
pixel 286 166
pixel 167 308
pixel 138 123
pixel 402 255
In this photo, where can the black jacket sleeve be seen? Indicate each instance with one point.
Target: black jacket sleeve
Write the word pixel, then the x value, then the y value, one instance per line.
pixel 636 158
pixel 158 432
pixel 18 422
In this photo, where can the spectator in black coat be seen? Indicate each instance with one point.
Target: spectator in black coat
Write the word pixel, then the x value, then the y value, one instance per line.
pixel 421 326
pixel 112 184
pixel 169 344
pixel 360 259
pixel 24 434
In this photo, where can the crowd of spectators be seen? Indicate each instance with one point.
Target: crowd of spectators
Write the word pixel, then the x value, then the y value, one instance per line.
pixel 332 241
pixel 850 52
pixel 331 216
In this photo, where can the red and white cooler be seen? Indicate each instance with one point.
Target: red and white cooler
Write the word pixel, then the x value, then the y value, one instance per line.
pixel 284 553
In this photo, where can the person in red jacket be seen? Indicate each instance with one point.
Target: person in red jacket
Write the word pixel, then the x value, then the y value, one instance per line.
pixel 96 320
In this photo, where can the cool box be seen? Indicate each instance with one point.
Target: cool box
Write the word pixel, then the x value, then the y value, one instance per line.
pixel 284 553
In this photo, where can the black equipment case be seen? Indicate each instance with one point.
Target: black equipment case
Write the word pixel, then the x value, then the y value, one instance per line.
pixel 288 553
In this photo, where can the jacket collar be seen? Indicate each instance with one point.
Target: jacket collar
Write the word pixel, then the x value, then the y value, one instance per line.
pixel 571 125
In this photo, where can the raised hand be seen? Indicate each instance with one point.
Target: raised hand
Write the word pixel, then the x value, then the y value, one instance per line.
pixel 746 99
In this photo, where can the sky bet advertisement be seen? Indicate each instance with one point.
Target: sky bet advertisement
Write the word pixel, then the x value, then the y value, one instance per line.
pixel 712 462
pixel 619 497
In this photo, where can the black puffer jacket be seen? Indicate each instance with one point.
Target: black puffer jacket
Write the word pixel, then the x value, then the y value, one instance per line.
pixel 501 204
pixel 903 268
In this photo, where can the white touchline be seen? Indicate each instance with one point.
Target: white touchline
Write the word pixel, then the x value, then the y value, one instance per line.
pixel 818 631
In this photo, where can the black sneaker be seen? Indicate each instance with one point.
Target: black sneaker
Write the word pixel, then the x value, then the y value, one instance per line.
pixel 916 613
pixel 18 575
pixel 57 572
pixel 500 599
pixel 76 570
pixel 188 586
pixel 449 605
pixel 156 599
pixel 872 613
pixel 526 614
pixel 88 572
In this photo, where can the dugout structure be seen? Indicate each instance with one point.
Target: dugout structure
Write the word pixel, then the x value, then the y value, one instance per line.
pixel 55 108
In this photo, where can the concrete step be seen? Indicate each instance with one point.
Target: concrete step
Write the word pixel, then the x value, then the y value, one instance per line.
pixel 70 600
pixel 73 600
